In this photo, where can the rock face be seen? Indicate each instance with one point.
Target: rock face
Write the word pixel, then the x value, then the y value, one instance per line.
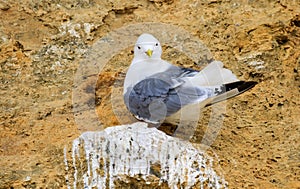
pixel 42 44
pixel 121 154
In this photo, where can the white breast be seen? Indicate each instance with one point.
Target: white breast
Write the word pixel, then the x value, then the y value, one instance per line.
pixel 140 70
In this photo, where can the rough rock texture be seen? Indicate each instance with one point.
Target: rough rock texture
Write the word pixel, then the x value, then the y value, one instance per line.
pixel 106 159
pixel 42 43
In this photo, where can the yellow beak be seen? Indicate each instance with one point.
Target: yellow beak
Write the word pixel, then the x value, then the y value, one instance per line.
pixel 149 52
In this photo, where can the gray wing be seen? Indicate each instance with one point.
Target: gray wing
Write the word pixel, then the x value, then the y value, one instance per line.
pixel 163 94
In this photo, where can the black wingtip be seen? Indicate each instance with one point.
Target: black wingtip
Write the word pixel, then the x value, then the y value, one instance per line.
pixel 246 86
pixel 233 85
pixel 230 90
pixel 240 85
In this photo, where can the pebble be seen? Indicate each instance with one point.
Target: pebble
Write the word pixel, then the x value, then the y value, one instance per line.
pixel 4 6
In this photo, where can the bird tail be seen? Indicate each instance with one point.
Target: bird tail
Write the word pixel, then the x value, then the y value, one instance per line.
pixel 222 81
pixel 229 90
pixel 214 74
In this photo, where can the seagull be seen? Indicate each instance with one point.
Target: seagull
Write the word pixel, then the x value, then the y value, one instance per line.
pixel 155 89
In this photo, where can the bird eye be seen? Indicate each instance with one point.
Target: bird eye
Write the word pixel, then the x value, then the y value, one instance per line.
pixel 156 44
pixel 139 47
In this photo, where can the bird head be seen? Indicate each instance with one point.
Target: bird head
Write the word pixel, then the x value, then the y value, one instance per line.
pixel 147 47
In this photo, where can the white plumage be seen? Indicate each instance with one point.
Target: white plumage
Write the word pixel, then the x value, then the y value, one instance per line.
pixel 214 74
pixel 155 89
